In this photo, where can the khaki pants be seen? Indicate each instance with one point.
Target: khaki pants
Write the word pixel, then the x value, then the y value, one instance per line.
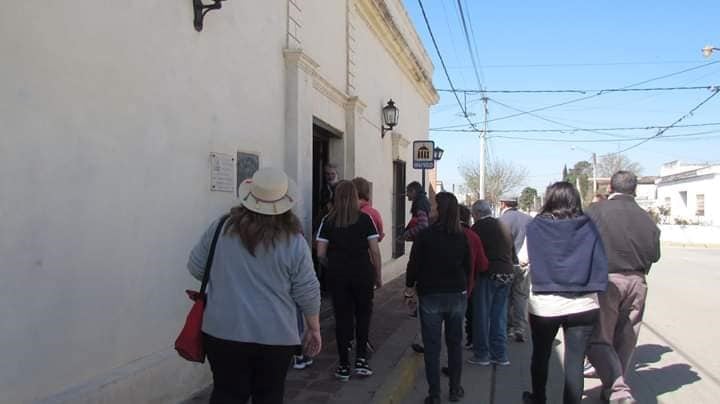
pixel 613 342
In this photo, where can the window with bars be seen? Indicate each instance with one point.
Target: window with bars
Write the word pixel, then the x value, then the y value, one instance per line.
pixel 700 205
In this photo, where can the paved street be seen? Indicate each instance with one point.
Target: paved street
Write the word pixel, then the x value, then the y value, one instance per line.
pixel 677 359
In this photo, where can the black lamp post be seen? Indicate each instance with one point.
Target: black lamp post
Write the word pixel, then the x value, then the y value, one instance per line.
pixel 390 115
pixel 438 153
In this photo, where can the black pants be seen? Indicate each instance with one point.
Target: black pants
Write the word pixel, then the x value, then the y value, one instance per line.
pixel 577 329
pixel 243 370
pixel 468 321
pixel 352 304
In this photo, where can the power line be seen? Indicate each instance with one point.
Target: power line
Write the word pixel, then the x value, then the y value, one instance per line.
pixel 575 91
pixel 575 130
pixel 444 67
pixel 469 45
pixel 559 140
pixel 551 120
pixel 506 66
pixel 575 100
pixel 661 131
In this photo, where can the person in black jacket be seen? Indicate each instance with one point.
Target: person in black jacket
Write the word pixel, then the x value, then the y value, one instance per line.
pixel 490 295
pixel 438 269
pixel 632 243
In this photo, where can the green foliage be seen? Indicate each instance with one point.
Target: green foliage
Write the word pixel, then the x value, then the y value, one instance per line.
pixel 528 196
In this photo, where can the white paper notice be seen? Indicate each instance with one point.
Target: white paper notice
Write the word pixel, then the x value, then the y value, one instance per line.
pixel 222 172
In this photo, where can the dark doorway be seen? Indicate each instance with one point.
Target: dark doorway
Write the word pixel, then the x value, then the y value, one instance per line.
pixel 321 156
pixel 398 208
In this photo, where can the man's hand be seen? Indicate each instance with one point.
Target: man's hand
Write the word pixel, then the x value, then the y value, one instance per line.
pixel 312 342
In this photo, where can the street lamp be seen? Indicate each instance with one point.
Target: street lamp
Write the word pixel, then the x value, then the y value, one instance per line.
pixel 437 153
pixel 708 50
pixel 390 114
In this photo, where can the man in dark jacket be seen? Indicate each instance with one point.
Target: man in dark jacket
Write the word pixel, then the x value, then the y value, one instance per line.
pixel 632 244
pixel 420 211
pixel 517 222
pixel 490 295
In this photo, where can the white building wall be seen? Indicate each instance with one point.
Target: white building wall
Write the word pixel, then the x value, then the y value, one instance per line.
pixel 108 113
pixel 679 208
pixel 107 119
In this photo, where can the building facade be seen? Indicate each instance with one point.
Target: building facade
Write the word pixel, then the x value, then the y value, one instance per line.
pixel 124 133
pixel 690 192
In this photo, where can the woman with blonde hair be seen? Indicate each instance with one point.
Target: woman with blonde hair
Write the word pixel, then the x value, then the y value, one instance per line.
pixel 261 260
pixel 348 247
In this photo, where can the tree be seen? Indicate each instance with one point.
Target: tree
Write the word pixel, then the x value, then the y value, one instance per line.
pixel 500 178
pixel 527 198
pixel 580 175
pixel 609 164
pixel 565 173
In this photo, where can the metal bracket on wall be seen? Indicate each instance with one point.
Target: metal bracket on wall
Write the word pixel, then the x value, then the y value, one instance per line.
pixel 201 9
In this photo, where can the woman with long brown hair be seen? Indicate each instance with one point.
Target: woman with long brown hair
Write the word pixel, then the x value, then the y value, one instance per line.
pixel 346 240
pixel 261 260
pixel 438 272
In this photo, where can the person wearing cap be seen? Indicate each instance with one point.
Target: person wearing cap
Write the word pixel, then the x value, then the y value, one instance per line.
pixel 261 260
pixel 347 245
pixel 490 294
pixel 517 222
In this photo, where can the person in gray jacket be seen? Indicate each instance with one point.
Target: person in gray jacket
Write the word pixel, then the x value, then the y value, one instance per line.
pixel 262 261
pixel 518 305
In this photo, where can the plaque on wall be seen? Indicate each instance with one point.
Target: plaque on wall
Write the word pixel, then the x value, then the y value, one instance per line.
pixel 222 172
pixel 247 164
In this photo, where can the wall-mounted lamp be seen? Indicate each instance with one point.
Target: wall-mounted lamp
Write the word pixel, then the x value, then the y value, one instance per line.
pixel 390 115
pixel 437 153
pixel 201 9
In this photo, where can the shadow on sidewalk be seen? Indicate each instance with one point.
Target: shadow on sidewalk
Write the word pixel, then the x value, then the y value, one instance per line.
pixel 648 382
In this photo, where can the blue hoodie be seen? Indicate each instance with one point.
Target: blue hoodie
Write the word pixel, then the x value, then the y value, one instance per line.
pixel 566 256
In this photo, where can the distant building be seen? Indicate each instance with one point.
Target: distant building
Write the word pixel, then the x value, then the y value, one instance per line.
pixel 645 195
pixel 691 192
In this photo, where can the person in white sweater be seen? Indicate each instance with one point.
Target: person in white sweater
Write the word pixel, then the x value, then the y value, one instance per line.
pixel 567 267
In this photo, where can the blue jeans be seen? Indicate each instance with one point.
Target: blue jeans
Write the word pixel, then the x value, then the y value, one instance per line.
pixel 434 309
pixel 490 300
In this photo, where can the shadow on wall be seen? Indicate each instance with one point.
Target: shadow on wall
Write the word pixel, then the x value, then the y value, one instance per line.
pixel 648 382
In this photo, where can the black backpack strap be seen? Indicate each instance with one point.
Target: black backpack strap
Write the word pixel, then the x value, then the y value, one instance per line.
pixel 211 254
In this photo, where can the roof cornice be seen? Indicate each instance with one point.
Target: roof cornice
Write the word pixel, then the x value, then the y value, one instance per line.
pixel 380 20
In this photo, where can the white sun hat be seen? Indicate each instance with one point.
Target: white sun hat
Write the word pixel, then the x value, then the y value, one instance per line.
pixel 269 192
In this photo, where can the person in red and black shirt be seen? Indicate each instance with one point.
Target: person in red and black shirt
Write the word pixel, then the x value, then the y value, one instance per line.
pixel 420 211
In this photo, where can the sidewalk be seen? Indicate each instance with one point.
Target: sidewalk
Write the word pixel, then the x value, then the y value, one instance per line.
pixel 391 332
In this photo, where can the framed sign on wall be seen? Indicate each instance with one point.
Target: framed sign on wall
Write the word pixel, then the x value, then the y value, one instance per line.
pixel 247 164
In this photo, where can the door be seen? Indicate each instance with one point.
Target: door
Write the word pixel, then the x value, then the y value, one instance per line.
pixel 399 199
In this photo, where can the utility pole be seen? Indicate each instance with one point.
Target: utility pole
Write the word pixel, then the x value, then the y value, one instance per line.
pixel 482 149
pixel 594 158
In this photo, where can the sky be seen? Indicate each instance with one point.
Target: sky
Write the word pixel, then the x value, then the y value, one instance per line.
pixel 573 45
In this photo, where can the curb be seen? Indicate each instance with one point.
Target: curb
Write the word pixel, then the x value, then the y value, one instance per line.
pixel 690 245
pixel 402 379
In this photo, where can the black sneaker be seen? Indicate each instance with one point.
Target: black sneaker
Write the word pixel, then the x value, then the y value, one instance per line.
pixel 418 348
pixel 342 373
pixel 457 394
pixel 432 400
pixel 362 367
